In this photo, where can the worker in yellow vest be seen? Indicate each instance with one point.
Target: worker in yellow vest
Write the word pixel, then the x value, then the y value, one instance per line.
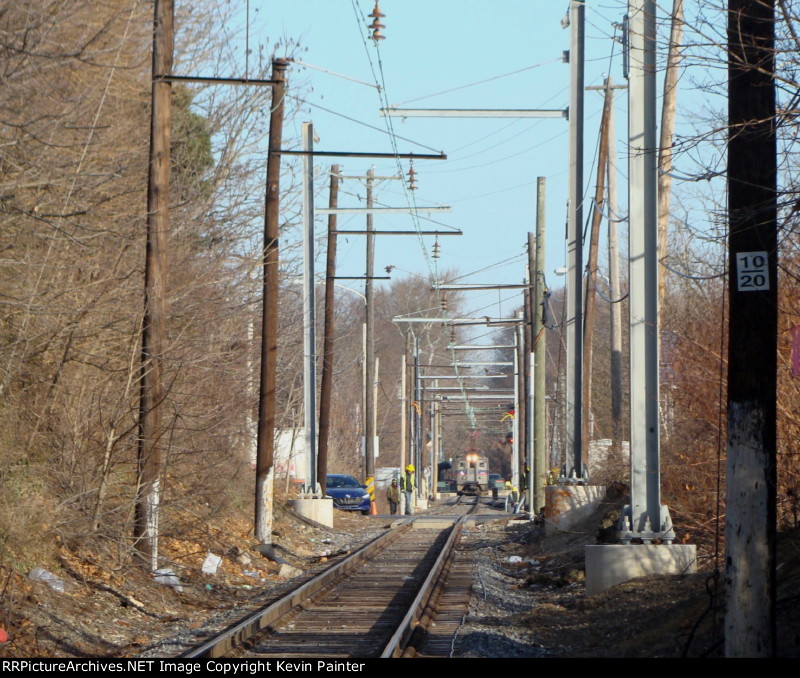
pixel 407 486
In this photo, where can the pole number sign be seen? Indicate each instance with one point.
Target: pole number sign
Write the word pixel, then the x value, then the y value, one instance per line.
pixel 752 272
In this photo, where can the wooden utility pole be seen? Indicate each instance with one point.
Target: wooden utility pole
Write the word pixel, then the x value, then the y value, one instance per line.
pixel 614 288
pixel 152 394
pixel 591 278
pixel 613 275
pixel 665 142
pixel 539 347
pixel 269 317
pixel 750 519
pixel 326 385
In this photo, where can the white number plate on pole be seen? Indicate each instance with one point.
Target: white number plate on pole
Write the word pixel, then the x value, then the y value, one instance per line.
pixel 752 272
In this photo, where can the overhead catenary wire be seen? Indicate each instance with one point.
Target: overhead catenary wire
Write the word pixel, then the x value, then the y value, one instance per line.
pixel 334 73
pixel 449 163
pixel 490 266
pixel 479 82
pixel 382 92
pixel 360 122
pixel 689 276
pixel 390 129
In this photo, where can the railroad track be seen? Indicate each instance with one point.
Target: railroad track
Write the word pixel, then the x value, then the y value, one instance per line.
pixel 403 594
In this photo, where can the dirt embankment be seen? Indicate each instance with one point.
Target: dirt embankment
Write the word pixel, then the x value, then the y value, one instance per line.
pixel 529 599
pixel 105 606
pixel 528 594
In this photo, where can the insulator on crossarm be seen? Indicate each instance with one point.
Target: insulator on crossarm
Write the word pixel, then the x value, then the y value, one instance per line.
pixel 376 30
pixel 376 26
pixel 412 178
pixel 376 13
pixel 436 250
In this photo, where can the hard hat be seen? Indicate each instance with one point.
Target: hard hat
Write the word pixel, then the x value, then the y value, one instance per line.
pixel 410 468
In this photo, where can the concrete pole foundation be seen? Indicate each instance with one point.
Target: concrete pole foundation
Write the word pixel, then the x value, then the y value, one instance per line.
pixel 610 564
pixel 318 510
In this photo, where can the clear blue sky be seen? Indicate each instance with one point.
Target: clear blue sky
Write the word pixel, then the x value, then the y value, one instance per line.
pixel 432 48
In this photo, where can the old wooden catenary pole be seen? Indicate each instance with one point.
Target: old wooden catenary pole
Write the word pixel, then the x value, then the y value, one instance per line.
pixel 269 316
pixel 752 333
pixel 155 295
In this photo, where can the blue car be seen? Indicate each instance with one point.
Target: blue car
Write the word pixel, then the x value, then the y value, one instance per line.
pixel 347 493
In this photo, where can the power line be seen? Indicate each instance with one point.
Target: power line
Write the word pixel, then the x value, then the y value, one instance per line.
pixel 360 122
pixel 478 82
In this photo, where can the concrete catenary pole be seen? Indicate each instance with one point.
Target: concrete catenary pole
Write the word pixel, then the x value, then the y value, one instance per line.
pixel 645 517
pixel 417 417
pixel 269 315
pixel 521 417
pixel 309 309
pixel 525 377
pixel 528 356
pixel 574 467
pixel 750 520
pixel 326 383
pixel 515 456
pixel 520 407
pixel 369 408
pixel 403 409
pixel 154 324
pixel 437 444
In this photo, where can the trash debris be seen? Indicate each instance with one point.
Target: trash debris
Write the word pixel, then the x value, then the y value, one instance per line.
pixel 208 587
pixel 514 559
pixel 40 574
pixel 250 573
pixel 211 563
pixel 3 636
pixel 288 571
pixel 168 578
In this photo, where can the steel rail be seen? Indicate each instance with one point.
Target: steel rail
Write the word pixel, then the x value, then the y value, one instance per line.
pixel 219 644
pixel 399 640
pixel 235 635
